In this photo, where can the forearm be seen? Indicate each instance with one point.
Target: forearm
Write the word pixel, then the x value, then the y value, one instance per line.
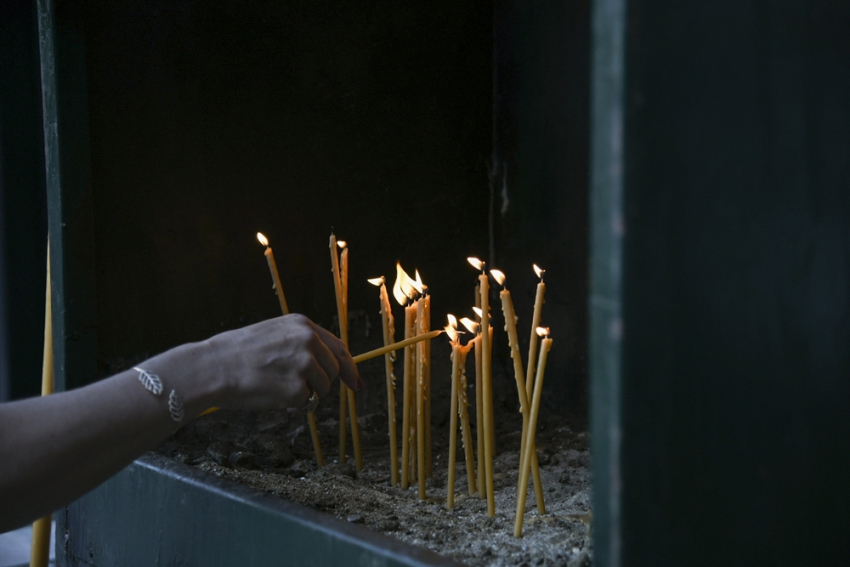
pixel 56 448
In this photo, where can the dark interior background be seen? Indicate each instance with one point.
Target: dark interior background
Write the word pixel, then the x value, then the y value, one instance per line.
pixel 210 121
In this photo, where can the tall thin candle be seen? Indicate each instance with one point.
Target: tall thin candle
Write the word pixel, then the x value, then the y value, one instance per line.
pixel 522 489
pixel 388 326
pixel 513 344
pixel 535 322
pixel 284 308
pixel 487 386
pixel 40 547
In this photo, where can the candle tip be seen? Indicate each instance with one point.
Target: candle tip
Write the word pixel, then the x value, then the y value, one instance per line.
pixel 476 263
pixel 539 271
pixel 543 332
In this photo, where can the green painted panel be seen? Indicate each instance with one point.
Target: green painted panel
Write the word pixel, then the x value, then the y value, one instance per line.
pixel 721 430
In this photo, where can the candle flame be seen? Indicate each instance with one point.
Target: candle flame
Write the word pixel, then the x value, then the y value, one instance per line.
pixel 420 287
pixel 475 262
pixel 404 287
pixel 499 276
pixel 539 271
pixel 543 331
pixel 341 243
pixel 376 281
pixel 452 320
pixel 478 311
pixel 470 324
pixel 451 333
pixel 262 238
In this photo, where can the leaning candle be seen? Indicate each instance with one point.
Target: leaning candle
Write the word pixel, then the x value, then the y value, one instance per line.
pixel 487 386
pixel 40 548
pixel 522 488
pixel 387 322
pixel 513 345
pixel 275 276
pixel 396 346
pixel 535 322
pixel 311 417
pixel 343 335
pixel 352 404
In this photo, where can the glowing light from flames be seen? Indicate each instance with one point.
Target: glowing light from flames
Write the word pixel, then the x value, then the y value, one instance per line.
pixel 404 286
pixel 478 311
pixel 470 324
pixel 263 240
pixel 341 243
pixel 539 271
pixel 543 332
pixel 376 281
pixel 476 263
pixel 499 276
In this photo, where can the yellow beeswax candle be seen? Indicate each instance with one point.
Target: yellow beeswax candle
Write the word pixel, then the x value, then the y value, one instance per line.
pixel 513 344
pixel 522 488
pixel 409 321
pixel 486 381
pixel 284 308
pixel 275 275
pixel 450 490
pixel 40 548
pixel 352 405
pixel 343 335
pixel 535 322
pixel 420 400
pixel 388 326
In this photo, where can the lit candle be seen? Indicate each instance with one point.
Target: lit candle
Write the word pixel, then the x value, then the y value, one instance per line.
pixel 284 308
pixel 343 334
pixel 451 331
pixel 402 288
pixel 513 344
pixel 40 547
pixel 388 325
pixel 487 385
pixel 426 297
pixel 275 276
pixel 522 488
pixel 420 399
pixel 480 422
pixel 535 322
pixel 463 409
pixel 352 404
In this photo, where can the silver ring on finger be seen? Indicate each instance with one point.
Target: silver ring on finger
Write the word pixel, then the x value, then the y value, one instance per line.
pixel 312 402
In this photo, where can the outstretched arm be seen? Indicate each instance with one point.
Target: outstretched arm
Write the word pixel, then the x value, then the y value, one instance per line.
pixel 56 448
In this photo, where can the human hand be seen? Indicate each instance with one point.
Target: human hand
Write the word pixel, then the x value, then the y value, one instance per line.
pixel 278 363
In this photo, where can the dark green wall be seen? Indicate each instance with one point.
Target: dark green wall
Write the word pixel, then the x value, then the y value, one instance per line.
pixel 721 251
pixel 23 216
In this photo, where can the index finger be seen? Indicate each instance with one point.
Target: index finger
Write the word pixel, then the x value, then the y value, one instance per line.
pixel 347 369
